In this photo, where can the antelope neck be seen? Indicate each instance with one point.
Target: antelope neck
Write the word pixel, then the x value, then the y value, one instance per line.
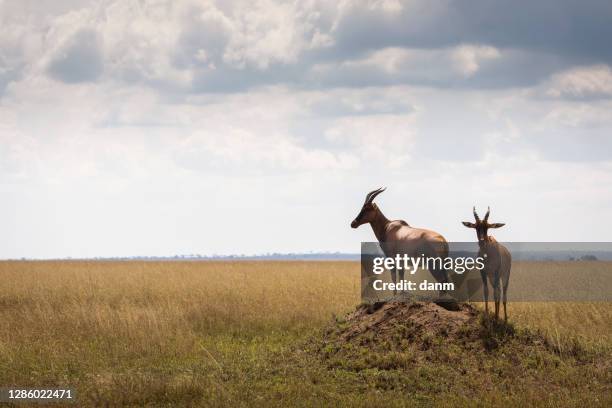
pixel 485 244
pixel 379 225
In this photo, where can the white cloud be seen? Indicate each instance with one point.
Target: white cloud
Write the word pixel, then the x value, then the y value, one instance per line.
pixel 413 65
pixel 579 115
pixel 153 170
pixel 384 139
pixel 134 156
pixel 167 43
pixel 582 82
pixel 468 58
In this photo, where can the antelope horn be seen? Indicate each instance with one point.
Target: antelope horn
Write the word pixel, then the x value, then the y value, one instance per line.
pixel 372 195
pixel 486 218
pixel 476 217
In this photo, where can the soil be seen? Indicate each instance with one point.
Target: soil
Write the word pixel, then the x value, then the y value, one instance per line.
pixel 382 319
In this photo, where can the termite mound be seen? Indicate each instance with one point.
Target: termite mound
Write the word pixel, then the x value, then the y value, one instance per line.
pixel 412 334
pixel 398 320
pixel 417 349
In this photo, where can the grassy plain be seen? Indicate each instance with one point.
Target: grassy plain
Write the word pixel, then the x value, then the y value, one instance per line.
pixel 241 334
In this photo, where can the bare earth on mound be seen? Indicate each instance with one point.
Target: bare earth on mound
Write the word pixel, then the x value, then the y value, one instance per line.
pixel 430 318
pixel 425 326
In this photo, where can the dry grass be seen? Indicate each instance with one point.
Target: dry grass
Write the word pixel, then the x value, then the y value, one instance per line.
pixel 166 333
pixel 135 298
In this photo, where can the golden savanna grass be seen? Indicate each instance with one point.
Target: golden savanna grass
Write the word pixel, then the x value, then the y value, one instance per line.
pixel 210 333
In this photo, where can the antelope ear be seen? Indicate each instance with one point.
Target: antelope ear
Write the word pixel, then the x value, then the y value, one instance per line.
pixel 497 225
pixel 469 224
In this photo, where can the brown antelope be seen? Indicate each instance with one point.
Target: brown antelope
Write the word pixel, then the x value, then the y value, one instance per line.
pixel 398 238
pixel 497 261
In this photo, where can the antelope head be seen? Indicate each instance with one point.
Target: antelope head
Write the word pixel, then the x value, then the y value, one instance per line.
pixel 482 226
pixel 368 210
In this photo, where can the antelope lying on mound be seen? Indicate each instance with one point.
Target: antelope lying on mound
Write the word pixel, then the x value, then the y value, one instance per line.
pixel 497 261
pixel 399 238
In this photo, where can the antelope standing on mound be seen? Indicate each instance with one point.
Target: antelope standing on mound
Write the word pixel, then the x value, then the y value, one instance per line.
pixel 398 238
pixel 497 261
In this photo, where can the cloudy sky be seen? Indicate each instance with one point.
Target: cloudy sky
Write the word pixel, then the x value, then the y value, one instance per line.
pixel 161 127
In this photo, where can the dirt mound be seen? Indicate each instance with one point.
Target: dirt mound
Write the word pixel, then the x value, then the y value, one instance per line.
pixel 420 349
pixel 423 331
pixel 383 319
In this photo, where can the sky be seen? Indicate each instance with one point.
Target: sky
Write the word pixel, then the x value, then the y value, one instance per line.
pixel 245 127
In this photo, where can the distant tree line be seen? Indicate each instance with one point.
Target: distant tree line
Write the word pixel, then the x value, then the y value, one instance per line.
pixel 584 258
